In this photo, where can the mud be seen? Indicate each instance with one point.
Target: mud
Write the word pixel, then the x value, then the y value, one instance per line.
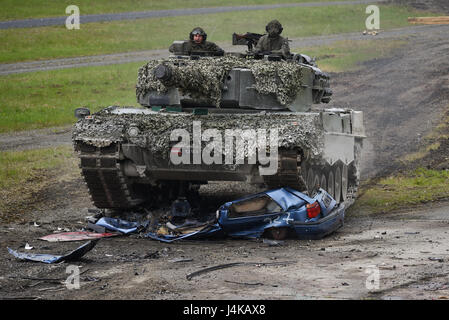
pixel 403 98
pixel 409 250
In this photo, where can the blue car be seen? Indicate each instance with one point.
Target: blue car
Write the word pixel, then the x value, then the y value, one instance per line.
pixel 281 213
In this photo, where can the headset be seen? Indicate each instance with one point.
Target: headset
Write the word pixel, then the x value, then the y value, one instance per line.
pixel 198 31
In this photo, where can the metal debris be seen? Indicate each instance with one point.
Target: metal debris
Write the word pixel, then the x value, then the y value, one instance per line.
pixel 49 258
pixel 234 264
pixel 76 236
pixel 120 225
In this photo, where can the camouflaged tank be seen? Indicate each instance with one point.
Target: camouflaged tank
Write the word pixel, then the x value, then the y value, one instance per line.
pixel 206 118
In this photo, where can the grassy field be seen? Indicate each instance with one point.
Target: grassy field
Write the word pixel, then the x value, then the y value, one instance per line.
pixel 403 190
pixel 48 98
pixel 122 36
pixel 337 57
pixel 13 9
pixel 24 174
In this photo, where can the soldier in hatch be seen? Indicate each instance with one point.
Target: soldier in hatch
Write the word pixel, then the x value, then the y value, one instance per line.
pixel 198 44
pixel 272 42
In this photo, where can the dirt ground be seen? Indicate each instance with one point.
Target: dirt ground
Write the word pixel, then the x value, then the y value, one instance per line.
pixel 400 255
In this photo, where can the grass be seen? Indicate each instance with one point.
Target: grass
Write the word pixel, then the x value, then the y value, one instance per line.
pixel 25 174
pixel 404 190
pixel 48 98
pixel 337 57
pixel 430 142
pixel 13 9
pixel 146 34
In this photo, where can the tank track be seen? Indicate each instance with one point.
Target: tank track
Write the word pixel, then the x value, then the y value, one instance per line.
pixel 101 169
pixel 288 173
pixel 305 176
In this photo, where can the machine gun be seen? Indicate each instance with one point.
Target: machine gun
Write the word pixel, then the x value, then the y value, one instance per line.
pixel 250 39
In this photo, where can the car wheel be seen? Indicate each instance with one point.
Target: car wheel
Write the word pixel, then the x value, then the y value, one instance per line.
pixel 279 233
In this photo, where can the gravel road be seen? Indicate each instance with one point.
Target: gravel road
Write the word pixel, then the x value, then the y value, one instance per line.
pixel 118 58
pixel 42 22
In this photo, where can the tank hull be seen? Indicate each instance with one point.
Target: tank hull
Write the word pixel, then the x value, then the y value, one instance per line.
pixel 130 156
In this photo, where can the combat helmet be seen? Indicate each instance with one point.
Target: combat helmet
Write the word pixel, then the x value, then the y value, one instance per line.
pixel 200 31
pixel 274 23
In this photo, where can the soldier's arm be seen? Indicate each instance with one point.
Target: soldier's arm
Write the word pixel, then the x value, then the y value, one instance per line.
pixel 259 45
pixel 213 47
pixel 285 48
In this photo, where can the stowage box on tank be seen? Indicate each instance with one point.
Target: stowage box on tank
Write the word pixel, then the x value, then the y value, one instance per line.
pixel 230 118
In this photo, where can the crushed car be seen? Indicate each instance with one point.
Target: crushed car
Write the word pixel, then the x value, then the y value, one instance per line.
pixel 280 213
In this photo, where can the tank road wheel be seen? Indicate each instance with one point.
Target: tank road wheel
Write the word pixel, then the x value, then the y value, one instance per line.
pixel 337 184
pixel 330 184
pixel 316 184
pixel 310 180
pixel 323 183
pixel 344 182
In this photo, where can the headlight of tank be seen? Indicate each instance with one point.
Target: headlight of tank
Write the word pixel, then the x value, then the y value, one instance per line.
pixel 133 131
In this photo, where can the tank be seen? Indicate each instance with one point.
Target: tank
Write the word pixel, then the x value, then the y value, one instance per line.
pixel 238 117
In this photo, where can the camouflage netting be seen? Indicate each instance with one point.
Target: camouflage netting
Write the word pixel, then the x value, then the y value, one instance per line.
pixel 204 78
pixel 294 130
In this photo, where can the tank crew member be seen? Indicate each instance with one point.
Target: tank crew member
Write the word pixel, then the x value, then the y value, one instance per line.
pixel 272 42
pixel 198 43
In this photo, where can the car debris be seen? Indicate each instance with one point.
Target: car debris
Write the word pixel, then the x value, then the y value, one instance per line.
pixel 120 225
pixel 76 236
pixel 49 258
pixel 245 283
pixel 436 259
pixel 209 231
pixel 273 243
pixel 96 228
pixel 234 264
pixel 178 260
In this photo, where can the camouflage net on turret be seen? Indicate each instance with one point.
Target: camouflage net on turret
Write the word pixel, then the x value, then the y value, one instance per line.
pixel 204 78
